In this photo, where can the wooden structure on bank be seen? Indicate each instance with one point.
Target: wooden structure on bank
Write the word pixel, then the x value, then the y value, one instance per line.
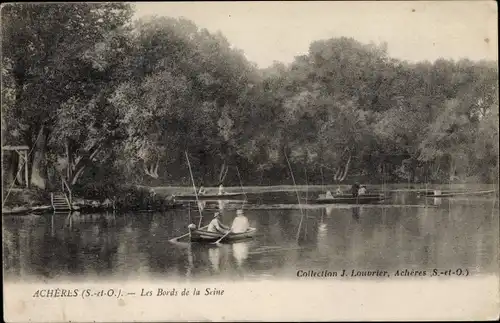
pixel 22 151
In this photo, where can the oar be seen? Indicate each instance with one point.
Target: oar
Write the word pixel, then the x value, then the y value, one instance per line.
pixel 187 234
pixel 217 242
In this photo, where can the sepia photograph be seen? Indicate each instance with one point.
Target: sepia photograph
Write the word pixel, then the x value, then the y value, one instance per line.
pixel 257 161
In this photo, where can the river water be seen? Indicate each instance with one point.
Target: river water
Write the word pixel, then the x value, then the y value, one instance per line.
pixel 409 233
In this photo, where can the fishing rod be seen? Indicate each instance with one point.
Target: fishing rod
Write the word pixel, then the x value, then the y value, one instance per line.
pixel 241 185
pixel 194 187
pixel 297 193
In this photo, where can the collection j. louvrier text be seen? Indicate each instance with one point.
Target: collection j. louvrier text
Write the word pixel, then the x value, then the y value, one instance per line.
pixel 325 273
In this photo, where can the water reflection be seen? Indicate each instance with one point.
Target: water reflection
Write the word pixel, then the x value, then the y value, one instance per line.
pixel 214 255
pixel 356 213
pixel 240 252
pixel 322 237
pixel 222 204
pixel 127 245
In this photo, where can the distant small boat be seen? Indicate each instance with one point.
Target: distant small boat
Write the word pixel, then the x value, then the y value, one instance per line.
pixel 349 199
pixel 457 193
pixel 433 192
pixel 226 196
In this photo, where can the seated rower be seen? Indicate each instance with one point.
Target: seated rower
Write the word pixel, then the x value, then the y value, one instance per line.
pixel 338 191
pixel 240 223
pixel 362 190
pixel 216 225
pixel 201 191
pixel 328 195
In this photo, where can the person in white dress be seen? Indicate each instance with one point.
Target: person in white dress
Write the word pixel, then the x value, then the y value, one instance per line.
pixel 240 223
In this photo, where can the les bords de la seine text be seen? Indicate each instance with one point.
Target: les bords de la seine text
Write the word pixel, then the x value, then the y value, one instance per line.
pixel 308 273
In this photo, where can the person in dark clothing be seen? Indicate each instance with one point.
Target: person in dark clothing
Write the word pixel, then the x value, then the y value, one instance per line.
pixel 355 189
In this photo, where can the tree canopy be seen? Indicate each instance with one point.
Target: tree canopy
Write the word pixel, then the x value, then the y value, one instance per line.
pixel 88 88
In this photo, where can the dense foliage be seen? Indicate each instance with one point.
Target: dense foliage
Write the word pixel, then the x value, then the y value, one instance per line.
pixel 101 99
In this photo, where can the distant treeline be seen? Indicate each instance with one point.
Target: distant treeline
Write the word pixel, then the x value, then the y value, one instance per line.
pixel 102 100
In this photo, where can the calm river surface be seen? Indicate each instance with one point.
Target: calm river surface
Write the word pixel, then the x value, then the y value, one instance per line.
pixel 447 234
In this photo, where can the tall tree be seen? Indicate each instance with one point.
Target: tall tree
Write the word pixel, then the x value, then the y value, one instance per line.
pixel 45 47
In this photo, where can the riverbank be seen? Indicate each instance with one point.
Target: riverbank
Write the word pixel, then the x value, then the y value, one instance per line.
pixel 23 201
pixel 29 201
pixel 89 207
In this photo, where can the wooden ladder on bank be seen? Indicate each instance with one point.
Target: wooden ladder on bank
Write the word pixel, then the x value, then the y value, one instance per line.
pixel 60 202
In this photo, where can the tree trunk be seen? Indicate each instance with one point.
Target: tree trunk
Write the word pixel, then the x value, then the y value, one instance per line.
pixel 38 165
pixel 74 180
pixel 68 159
pixel 223 172
pixel 346 169
pixel 19 174
pixel 413 170
pixel 337 174
pixel 9 168
pixel 152 170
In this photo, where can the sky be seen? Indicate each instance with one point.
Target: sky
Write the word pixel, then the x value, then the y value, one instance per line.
pixel 279 31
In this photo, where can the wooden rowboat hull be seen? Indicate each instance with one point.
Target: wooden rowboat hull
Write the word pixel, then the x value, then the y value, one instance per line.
pixel 349 196
pixel 227 196
pixel 206 236
pixel 351 200
pixel 452 194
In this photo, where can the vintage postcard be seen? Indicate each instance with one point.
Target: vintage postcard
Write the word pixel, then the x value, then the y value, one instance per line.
pixel 250 161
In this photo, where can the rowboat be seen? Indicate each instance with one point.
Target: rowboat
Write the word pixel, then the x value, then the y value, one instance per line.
pixel 226 196
pixel 204 236
pixel 458 193
pixel 349 199
pixel 349 195
pixel 433 192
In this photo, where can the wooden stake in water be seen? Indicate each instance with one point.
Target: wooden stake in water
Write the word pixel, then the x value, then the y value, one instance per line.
pixel 194 187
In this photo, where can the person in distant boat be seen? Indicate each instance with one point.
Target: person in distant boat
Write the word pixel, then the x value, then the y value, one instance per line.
pixel 216 225
pixel 221 189
pixel 355 189
pixel 338 191
pixel 201 191
pixel 329 195
pixel 362 190
pixel 240 223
